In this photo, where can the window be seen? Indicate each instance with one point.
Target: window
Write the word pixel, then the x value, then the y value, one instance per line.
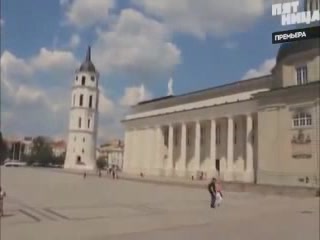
pixel 76 78
pixel 218 131
pixel 83 139
pixel 302 75
pixel 90 101
pixel 92 78
pixel 83 81
pixel 89 123
pixel 302 119
pixel 81 100
pixel 82 150
pixel 79 122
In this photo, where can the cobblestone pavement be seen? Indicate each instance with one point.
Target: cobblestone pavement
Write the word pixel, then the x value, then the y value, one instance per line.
pixel 48 205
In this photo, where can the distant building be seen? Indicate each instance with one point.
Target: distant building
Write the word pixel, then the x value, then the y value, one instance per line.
pixel 113 152
pixel 28 144
pixel 58 148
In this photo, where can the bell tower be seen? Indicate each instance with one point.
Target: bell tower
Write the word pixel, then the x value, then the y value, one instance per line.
pixel 83 117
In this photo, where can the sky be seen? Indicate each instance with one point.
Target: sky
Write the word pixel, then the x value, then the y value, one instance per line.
pixel 200 44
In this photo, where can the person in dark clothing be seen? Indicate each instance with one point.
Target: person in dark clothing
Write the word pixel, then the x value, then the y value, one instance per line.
pixel 212 191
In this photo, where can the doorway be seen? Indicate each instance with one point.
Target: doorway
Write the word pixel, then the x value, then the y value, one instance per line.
pixel 78 160
pixel 218 166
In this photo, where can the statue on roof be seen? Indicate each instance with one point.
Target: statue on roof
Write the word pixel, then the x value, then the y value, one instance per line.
pixel 170 87
pixel 141 93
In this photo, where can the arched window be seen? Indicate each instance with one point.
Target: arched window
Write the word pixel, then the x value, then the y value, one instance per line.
pixel 81 100
pixel 90 101
pixel 92 78
pixel 302 119
pixel 83 81
pixel 79 122
pixel 89 123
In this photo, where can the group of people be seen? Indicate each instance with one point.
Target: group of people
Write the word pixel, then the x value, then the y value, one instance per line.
pixel 112 171
pixel 215 191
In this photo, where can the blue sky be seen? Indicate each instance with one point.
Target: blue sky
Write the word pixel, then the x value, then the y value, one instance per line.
pixel 200 44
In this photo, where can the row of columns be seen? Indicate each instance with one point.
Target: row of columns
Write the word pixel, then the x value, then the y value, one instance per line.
pixel 148 143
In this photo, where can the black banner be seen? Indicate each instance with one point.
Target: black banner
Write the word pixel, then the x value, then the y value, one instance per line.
pixel 296 35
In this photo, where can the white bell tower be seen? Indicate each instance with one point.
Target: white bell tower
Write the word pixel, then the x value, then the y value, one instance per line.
pixel 83 119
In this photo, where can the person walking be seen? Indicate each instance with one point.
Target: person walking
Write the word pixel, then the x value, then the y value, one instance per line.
pixel 213 192
pixel 219 196
pixel 2 196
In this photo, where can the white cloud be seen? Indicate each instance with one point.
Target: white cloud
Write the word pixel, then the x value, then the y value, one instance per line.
pixel 85 13
pixel 52 60
pixel 205 17
pixel 264 69
pixel 106 106
pixel 132 96
pixel 135 45
pixel 12 66
pixel 30 108
pixel 74 41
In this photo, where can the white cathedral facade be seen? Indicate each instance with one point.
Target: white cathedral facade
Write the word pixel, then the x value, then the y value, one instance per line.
pixel 83 118
pixel 263 130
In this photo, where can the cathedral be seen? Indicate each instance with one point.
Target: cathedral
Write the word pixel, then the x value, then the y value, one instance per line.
pixel 263 130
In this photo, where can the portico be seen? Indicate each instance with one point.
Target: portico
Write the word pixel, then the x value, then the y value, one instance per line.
pixel 221 147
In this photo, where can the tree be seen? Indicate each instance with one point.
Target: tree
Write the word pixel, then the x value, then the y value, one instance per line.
pixel 3 149
pixel 59 160
pixel 41 152
pixel 101 163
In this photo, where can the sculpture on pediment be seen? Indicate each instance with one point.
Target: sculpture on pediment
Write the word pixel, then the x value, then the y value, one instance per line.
pixel 301 147
pixel 170 87
pixel 141 93
pixel 301 138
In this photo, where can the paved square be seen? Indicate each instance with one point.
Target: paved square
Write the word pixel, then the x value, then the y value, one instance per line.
pixel 42 204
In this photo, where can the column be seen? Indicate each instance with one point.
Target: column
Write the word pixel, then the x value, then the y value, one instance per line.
pixel 230 150
pixel 133 157
pixel 213 149
pixel 197 146
pixel 126 164
pixel 147 149
pixel 159 153
pixel 170 149
pixel 249 150
pixel 183 149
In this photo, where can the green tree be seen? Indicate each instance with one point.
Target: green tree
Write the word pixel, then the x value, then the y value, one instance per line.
pixel 41 152
pixel 60 159
pixel 3 149
pixel 101 163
